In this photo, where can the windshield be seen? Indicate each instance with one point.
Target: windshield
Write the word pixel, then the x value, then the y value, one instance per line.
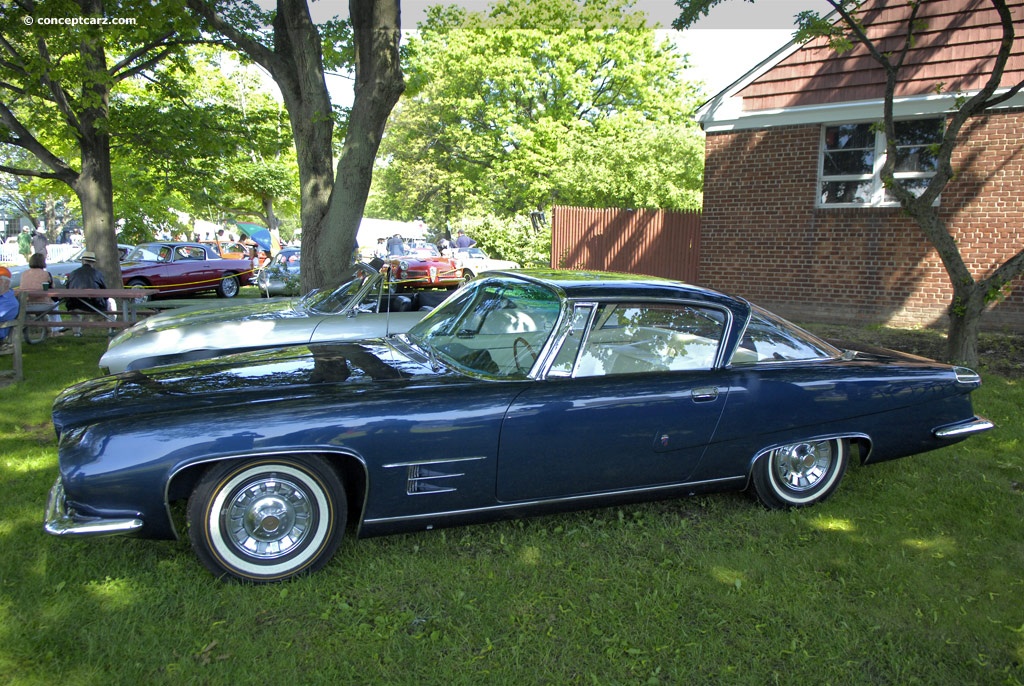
pixel 343 297
pixel 149 252
pixel 491 328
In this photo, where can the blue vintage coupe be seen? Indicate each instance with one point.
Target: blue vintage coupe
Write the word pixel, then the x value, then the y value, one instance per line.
pixel 525 392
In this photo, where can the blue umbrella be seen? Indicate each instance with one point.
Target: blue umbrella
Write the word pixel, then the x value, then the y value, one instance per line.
pixel 259 234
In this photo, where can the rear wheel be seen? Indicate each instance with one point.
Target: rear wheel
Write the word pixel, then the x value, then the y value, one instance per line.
pixel 228 286
pixel 800 474
pixel 267 519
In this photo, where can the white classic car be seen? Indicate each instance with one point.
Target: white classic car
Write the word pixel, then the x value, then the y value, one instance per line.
pixel 473 261
pixel 361 307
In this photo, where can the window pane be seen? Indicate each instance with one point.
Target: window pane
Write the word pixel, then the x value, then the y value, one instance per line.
pixel 915 158
pixel 835 192
pixel 849 136
pixel 846 162
pixel 915 186
pixel 921 131
pixel 769 338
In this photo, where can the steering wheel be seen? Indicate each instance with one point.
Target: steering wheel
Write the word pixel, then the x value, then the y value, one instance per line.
pixel 515 354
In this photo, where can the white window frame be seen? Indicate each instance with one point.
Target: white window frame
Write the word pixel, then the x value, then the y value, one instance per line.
pixel 877 197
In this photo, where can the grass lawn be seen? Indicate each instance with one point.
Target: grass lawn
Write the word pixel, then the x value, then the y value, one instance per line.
pixel 912 574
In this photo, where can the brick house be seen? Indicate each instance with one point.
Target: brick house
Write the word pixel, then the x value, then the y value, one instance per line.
pixel 794 215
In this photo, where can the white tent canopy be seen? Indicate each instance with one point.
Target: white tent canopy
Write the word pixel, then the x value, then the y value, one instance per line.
pixel 370 230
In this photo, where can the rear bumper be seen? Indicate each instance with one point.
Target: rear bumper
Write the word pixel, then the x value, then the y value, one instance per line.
pixel 962 429
pixel 61 520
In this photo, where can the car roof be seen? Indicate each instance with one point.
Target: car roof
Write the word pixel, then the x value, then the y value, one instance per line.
pixel 583 285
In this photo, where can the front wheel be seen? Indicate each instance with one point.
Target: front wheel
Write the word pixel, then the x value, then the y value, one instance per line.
pixel 228 286
pixel 800 474
pixel 267 519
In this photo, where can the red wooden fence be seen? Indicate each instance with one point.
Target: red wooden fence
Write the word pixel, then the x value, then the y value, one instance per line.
pixel 654 242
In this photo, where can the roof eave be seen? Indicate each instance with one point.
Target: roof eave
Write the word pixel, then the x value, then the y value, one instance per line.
pixel 728 115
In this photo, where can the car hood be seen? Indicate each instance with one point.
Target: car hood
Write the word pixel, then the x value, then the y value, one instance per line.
pixel 291 373
pixel 214 314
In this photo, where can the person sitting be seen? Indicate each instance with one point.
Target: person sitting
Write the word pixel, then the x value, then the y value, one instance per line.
pixel 36 278
pixel 8 305
pixel 86 276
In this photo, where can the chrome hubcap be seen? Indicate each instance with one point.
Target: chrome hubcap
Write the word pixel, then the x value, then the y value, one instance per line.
pixel 802 466
pixel 269 518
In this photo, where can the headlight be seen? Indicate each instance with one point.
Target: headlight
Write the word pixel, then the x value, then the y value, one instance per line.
pixel 403 265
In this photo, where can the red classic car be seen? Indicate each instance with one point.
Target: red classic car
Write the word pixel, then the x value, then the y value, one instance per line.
pixel 170 269
pixel 423 266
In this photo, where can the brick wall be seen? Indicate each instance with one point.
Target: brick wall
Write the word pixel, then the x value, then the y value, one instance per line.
pixel 763 238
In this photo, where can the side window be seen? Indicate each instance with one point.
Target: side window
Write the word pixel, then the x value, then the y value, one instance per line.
pixel 771 339
pixel 637 338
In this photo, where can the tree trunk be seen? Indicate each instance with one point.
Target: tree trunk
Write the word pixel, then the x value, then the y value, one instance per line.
pixel 965 313
pixel 94 185
pixel 300 77
pixel 379 84
pixel 268 212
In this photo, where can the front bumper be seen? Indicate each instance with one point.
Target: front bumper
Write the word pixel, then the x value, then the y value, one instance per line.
pixel 61 520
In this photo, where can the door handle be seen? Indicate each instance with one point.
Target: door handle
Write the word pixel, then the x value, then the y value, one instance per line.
pixel 704 395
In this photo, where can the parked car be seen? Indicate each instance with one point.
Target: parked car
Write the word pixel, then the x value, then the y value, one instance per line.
pixel 524 392
pixel 281 276
pixel 172 269
pixel 423 266
pixel 60 270
pixel 473 261
pixel 348 312
pixel 231 250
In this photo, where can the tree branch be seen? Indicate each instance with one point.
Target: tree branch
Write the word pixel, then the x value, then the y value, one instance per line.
pixel 24 139
pixel 258 52
pixel 136 54
pixel 17 171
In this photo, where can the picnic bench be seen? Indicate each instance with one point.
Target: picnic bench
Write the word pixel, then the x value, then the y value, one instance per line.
pixel 35 314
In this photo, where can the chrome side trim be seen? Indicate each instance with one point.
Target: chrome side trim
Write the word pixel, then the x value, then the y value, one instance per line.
pixel 519 504
pixel 966 428
pixel 442 460
pixel 62 521
pixel 421 479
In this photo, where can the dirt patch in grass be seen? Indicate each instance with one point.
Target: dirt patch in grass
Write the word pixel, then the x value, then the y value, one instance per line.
pixel 1000 353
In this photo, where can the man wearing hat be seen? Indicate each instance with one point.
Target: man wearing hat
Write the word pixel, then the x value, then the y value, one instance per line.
pixel 39 241
pixel 86 276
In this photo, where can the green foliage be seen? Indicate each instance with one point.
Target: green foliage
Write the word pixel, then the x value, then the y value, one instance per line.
pixel 510 239
pixel 535 104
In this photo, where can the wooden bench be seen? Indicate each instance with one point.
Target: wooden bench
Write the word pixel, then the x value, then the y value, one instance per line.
pixel 125 316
